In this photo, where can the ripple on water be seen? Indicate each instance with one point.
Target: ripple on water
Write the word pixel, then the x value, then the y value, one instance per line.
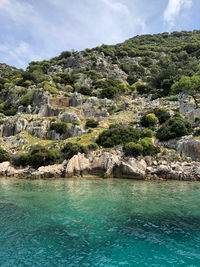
pixel 97 222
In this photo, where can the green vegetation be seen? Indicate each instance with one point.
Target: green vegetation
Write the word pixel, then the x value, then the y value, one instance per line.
pixel 173 128
pixel 71 149
pixel 92 123
pixel 4 155
pixel 118 134
pixel 59 127
pixel 38 156
pixel 133 149
pixel 149 120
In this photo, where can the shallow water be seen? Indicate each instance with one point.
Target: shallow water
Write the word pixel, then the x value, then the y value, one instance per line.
pixel 97 222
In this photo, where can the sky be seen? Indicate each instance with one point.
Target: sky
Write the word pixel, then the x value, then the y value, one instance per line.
pixel 32 30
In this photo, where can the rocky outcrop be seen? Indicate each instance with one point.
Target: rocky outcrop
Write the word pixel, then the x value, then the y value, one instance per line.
pixel 76 100
pixel 68 117
pixel 188 146
pixel 132 168
pixel 49 111
pixel 98 163
pixel 52 171
pixel 38 129
pixel 110 164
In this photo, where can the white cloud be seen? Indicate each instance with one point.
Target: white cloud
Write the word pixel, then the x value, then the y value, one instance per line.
pixel 174 8
pixel 40 30
pixel 117 6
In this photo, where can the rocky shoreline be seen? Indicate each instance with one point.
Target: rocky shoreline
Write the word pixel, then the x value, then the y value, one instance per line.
pixel 110 164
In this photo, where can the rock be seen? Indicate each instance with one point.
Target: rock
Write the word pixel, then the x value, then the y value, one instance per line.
pixel 106 101
pixel 98 163
pixel 189 146
pixel 163 169
pixel 76 130
pixel 92 101
pixel 77 165
pixel 76 100
pixel 52 171
pixel 49 111
pixel 148 160
pixel 131 169
pixel 38 129
pixel 20 109
pixel 20 125
pixel 186 104
pixel 69 117
pixel 4 166
pixel 29 109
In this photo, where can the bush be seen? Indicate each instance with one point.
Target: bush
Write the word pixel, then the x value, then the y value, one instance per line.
pixel 59 127
pixel 148 133
pixel 133 149
pixel 162 114
pixel 148 147
pixel 21 160
pixel 4 155
pixel 27 99
pixel 149 120
pixel 196 132
pixel 117 135
pixel 71 149
pixel 92 123
pixel 173 128
pixel 37 157
pixel 84 90
pixel 92 147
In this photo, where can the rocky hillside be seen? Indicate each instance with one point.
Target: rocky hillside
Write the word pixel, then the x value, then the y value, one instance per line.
pixel 134 97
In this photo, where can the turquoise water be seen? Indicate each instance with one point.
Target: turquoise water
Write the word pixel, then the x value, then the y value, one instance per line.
pixel 97 222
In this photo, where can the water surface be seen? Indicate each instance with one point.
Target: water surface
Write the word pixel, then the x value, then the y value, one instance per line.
pixel 97 222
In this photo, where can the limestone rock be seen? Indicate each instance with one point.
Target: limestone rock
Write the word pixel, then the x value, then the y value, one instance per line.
pixel 69 117
pixel 20 125
pixel 92 101
pixel 52 171
pixel 76 100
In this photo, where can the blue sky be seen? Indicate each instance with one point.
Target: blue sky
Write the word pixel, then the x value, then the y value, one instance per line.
pixel 41 29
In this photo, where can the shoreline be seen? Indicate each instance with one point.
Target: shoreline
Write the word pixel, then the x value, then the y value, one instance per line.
pixel 109 164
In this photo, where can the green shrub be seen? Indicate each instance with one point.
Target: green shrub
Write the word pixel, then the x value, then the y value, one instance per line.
pixel 92 123
pixel 37 157
pixel 196 132
pixel 173 128
pixel 84 90
pixel 71 149
pixel 92 147
pixel 59 127
pixel 149 120
pixel 162 114
pixel 21 160
pixel 117 135
pixel 4 155
pixel 148 133
pixel 148 147
pixel 27 99
pixel 133 149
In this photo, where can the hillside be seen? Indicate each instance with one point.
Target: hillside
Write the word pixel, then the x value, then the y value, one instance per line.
pixel 106 97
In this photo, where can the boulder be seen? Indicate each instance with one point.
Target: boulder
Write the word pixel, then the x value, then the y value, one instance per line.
pixel 49 111
pixel 51 171
pixel 20 125
pixel 131 168
pixel 76 100
pixel 92 101
pixel 190 147
pixel 69 117
pixel 4 167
